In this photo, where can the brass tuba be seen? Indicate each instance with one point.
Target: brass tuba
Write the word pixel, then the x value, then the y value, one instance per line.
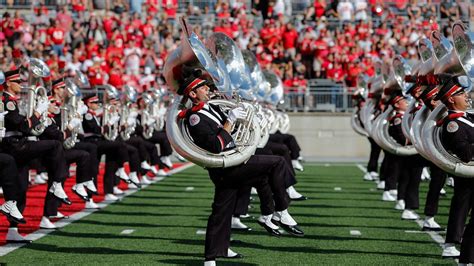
pixel 262 89
pixel 110 94
pixel 356 122
pixel 69 111
pixel 147 113
pixel 128 98
pixel 458 61
pixel 380 132
pixel 192 53
pixel 37 70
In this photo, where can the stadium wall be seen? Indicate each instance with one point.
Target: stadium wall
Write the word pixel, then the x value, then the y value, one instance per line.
pixel 326 137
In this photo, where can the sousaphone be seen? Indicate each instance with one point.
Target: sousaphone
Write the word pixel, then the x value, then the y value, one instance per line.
pixel 457 62
pixel 192 53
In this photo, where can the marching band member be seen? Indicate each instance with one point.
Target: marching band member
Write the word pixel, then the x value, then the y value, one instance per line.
pixel 458 138
pixel 10 180
pixel 92 170
pixel 290 141
pixel 80 157
pixel 438 176
pixel 158 137
pixel 210 128
pixel 116 152
pixel 389 170
pixel 409 170
pixel 16 143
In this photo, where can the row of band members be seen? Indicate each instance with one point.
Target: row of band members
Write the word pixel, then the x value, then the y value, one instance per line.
pixel 271 172
pixel 400 176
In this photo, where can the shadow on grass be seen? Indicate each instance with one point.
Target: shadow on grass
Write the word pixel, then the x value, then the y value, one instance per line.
pixel 200 262
pixel 316 250
pixel 102 236
pixel 104 251
pixel 184 197
pixel 144 214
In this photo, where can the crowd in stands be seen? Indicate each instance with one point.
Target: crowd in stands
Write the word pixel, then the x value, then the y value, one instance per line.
pixel 126 42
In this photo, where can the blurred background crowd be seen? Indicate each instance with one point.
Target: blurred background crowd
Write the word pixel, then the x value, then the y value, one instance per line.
pixel 126 41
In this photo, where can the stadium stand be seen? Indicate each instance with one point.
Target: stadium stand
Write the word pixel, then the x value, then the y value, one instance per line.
pixel 317 47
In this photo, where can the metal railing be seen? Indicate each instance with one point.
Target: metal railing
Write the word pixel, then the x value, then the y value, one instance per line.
pixel 329 99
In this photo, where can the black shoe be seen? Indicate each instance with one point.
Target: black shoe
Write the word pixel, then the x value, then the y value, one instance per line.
pixel 292 229
pixel 136 184
pixel 65 200
pixel 432 229
pixel 84 198
pixel 241 229
pixel 13 219
pixel 273 232
pixel 299 199
pixel 236 256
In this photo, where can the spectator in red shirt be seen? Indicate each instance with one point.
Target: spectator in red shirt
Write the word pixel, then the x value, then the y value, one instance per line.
pixel 56 36
pixel 290 37
pixel 64 18
pixel 170 7
pixel 78 7
pixel 225 27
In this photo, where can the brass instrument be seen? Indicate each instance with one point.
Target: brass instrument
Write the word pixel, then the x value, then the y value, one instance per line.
pixel 69 111
pixel 111 132
pixel 456 61
pixel 37 70
pixel 129 97
pixel 192 53
pixel 146 115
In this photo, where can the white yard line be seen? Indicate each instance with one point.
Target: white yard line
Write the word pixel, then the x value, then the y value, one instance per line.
pixel 434 235
pixel 362 168
pixel 4 250
pixel 127 231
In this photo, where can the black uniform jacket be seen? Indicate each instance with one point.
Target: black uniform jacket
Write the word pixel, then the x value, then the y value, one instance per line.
pixel 205 124
pixel 91 126
pixel 395 129
pixel 14 121
pixel 458 134
pixel 53 131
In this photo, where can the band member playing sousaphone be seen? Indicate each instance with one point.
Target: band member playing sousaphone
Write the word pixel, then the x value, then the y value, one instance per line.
pixel 458 138
pixel 409 170
pixel 211 130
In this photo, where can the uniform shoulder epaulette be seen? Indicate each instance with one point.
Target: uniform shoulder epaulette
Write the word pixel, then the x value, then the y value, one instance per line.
pixel 416 108
pixel 397 115
pixel 183 113
pixel 449 117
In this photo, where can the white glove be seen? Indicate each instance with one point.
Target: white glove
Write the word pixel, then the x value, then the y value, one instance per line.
pixel 236 113
pixel 162 111
pixel 75 122
pixel 2 115
pixel 114 119
pixel 82 110
pixel 133 114
pixel 131 121
pixel 99 112
pixel 42 107
pixel 2 132
pixel 150 121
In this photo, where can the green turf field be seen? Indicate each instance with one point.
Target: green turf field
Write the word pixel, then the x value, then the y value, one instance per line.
pixel 166 218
